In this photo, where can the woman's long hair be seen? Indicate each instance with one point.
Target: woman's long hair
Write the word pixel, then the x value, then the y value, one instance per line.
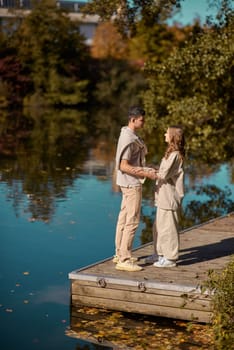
pixel 177 142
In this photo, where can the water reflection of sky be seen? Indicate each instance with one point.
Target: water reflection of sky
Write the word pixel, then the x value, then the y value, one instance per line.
pixel 220 178
pixel 36 258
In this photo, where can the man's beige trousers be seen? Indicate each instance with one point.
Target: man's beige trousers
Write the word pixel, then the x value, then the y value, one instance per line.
pixel 128 221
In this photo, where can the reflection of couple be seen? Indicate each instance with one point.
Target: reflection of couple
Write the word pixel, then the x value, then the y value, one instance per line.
pixel 131 172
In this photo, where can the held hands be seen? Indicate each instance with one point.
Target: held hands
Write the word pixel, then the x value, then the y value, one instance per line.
pixel 140 172
pixel 151 173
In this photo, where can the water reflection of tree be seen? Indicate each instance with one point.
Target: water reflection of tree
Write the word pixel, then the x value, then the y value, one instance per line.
pixel 216 203
pixel 42 157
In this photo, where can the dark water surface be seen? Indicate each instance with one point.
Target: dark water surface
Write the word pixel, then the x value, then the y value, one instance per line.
pixel 56 218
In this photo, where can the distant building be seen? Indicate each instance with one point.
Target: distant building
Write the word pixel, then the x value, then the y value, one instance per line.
pixel 87 25
pixel 71 6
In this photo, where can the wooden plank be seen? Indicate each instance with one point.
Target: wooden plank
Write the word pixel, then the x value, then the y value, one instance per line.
pixel 187 283
pixel 193 294
pixel 140 285
pixel 192 302
pixel 180 278
pixel 165 311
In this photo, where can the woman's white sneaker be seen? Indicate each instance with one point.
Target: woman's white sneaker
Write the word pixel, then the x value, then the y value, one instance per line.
pixel 163 262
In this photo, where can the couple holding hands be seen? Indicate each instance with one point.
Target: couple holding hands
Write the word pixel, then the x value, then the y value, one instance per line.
pixel 169 192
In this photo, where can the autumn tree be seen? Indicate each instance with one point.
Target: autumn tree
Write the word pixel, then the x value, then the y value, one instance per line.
pixel 108 42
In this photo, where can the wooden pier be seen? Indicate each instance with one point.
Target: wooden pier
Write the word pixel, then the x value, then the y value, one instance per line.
pixel 168 292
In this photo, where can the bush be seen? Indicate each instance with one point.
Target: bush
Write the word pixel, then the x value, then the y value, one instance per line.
pixel 222 285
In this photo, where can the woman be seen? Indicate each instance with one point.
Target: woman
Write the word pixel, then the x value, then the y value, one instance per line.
pixel 168 197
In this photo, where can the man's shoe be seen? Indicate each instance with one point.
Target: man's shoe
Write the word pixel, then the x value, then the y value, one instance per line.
pixel 115 259
pixel 163 262
pixel 133 259
pixel 151 259
pixel 128 265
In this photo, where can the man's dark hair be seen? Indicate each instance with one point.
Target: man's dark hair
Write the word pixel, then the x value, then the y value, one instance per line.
pixel 135 111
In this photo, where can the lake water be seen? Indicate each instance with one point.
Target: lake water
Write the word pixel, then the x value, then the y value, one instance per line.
pixel 45 234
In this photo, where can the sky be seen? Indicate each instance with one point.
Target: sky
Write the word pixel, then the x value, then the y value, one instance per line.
pixel 191 9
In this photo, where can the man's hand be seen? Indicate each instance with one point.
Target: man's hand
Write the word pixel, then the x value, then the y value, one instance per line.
pixel 151 173
pixel 138 171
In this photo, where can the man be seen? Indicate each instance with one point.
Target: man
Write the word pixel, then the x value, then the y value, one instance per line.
pixel 131 173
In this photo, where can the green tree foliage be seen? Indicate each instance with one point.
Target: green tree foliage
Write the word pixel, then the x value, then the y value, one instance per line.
pixel 157 42
pixel 51 48
pixel 150 43
pixel 193 87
